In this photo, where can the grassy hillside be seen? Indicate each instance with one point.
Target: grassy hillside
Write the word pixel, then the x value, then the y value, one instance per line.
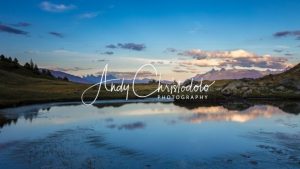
pixel 20 85
pixel 16 89
pixel 285 85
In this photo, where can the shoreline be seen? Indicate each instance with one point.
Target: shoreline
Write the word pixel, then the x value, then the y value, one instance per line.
pixel 133 99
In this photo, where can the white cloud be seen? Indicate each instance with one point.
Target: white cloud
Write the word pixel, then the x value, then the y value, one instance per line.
pixel 88 15
pixel 51 7
pixel 203 62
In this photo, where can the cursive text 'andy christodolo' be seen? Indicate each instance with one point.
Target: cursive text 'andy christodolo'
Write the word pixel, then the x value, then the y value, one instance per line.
pixel 122 87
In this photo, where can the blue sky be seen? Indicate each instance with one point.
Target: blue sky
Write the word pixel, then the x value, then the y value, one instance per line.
pixel 181 38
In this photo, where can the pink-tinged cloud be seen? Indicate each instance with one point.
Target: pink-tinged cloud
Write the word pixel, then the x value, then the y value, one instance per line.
pixel 198 53
pixel 233 58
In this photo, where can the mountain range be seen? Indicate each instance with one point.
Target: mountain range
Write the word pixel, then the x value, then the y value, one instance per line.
pixel 224 74
pixel 92 79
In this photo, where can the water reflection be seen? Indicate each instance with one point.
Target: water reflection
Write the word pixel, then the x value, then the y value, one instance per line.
pixel 219 113
pixel 6 121
pixel 292 107
pixel 128 126
pixel 10 116
pixel 151 135
pixel 197 112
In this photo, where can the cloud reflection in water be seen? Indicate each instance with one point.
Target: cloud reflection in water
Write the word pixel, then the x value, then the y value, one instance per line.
pixel 219 113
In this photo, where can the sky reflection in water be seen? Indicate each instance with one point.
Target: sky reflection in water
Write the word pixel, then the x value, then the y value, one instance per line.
pixel 169 132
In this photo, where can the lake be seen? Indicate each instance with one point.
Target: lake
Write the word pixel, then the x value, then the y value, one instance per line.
pixel 150 134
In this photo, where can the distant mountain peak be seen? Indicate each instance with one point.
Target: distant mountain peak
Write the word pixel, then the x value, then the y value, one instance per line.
pixel 233 74
pixel 212 70
pixel 93 79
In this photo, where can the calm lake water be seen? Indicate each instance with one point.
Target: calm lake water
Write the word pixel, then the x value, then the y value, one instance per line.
pixel 149 134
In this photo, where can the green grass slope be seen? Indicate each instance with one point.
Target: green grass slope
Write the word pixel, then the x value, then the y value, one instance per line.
pixel 20 85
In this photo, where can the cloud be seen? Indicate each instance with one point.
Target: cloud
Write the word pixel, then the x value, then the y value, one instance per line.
pixel 288 54
pixel 51 7
pixel 233 58
pixel 141 60
pixel 108 53
pixel 66 69
pixel 88 15
pixel 129 126
pixel 185 68
pixel 180 71
pixel 102 60
pixel 57 34
pixel 77 69
pixel 157 62
pixel 202 62
pixel 266 61
pixel 197 27
pixel 278 50
pixel 32 52
pixel 132 126
pixel 201 54
pixel 111 46
pixel 171 50
pixel 160 62
pixel 130 75
pixel 7 29
pixel 281 34
pixel 295 33
pixel 21 24
pixel 132 46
